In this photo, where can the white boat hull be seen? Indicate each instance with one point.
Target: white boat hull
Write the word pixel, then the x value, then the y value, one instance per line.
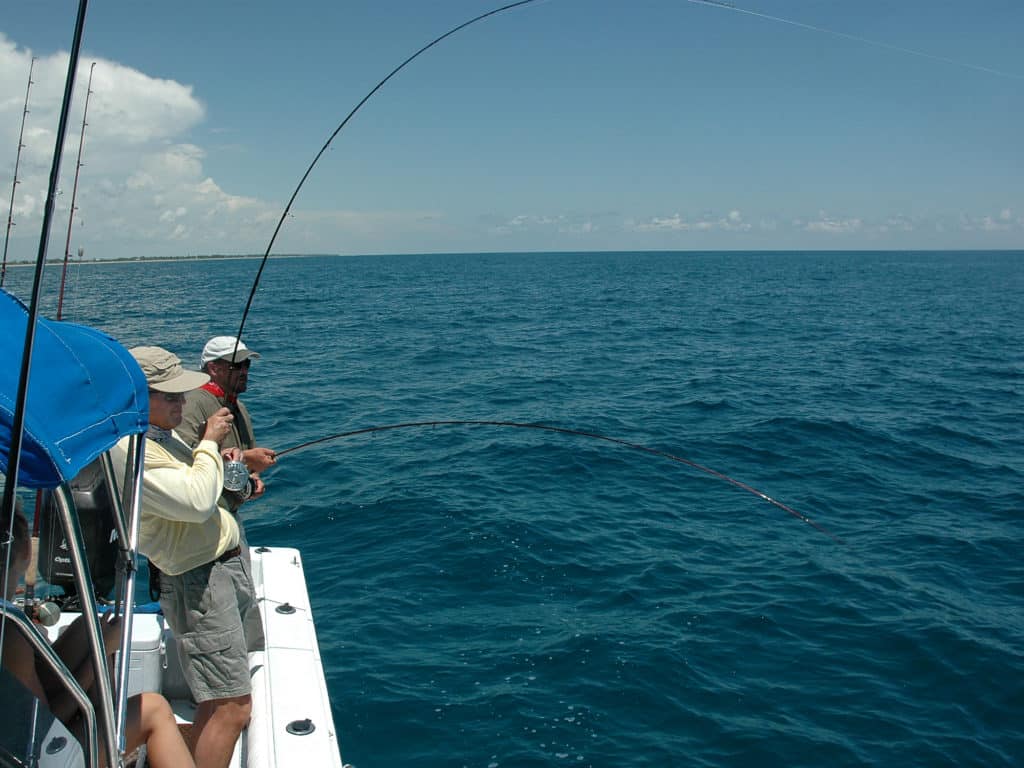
pixel 291 725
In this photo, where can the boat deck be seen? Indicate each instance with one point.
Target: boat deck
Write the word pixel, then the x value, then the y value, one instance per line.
pixel 291 721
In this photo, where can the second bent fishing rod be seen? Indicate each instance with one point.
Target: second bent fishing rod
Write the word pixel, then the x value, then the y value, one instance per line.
pixel 471 422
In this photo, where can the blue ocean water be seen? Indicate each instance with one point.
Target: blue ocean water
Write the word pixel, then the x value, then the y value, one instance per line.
pixel 493 597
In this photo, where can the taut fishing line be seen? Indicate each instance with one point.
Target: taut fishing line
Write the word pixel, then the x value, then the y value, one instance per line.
pixel 713 3
pixel 575 433
pixel 512 424
pixel 857 39
pixel 349 116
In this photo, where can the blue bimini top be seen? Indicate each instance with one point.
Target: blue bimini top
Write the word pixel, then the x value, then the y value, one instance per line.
pixel 85 393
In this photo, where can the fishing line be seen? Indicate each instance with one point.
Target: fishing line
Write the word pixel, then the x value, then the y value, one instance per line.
pixel 727 6
pixel 576 433
pixel 560 430
pixel 508 424
pixel 349 116
pixel 867 41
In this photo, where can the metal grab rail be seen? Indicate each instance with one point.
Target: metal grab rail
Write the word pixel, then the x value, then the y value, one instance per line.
pixel 45 651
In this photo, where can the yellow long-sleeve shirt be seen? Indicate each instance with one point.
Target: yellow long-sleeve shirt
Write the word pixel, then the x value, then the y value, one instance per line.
pixel 182 525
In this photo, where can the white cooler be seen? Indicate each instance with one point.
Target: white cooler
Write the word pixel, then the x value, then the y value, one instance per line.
pixel 145 667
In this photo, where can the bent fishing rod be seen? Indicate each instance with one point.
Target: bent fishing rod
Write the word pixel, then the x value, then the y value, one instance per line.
pixel 330 140
pixel 469 422
pixel 722 5
pixel 574 433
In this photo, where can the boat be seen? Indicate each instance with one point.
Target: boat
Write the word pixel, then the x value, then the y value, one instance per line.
pixel 89 562
pixel 68 394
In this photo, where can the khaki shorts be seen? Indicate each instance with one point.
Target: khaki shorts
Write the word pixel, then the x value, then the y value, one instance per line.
pixel 205 607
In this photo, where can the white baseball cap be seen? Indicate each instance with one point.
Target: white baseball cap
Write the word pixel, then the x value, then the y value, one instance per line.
pixel 221 348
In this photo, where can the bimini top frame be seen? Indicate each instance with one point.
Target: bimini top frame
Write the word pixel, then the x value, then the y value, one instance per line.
pixel 84 392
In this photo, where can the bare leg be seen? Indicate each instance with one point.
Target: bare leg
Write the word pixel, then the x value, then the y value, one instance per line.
pixel 73 646
pixel 217 725
pixel 73 649
pixel 151 720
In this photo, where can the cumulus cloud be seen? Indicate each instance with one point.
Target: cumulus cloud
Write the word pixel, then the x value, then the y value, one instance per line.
pixel 1003 221
pixel 897 223
pixel 673 223
pixel 561 223
pixel 127 108
pixel 683 228
pixel 831 225
pixel 732 221
pixel 142 179
pixel 147 189
pixel 137 109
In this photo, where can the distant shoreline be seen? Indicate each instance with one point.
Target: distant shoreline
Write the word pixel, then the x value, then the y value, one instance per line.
pixel 236 257
pixel 156 259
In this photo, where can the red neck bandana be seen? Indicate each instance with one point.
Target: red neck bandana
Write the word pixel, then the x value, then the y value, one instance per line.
pixel 216 391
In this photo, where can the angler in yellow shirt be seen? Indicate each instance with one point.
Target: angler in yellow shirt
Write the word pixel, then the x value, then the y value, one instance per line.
pixel 192 543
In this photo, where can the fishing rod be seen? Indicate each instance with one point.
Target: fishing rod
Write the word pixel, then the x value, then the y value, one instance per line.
pixel 452 422
pixel 330 139
pixel 17 162
pixel 719 4
pixel 74 194
pixel 575 433
pixel 18 419
pixel 104 730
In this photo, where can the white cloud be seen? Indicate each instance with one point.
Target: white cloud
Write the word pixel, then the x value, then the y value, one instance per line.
pixel 139 110
pixel 1004 221
pixel 147 184
pixel 830 225
pixel 172 215
pixel 673 223
pixel 897 223
pixel 708 222
pixel 734 222
pixel 142 179
pixel 560 223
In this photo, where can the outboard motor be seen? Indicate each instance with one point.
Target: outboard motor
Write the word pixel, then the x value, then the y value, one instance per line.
pixel 94 508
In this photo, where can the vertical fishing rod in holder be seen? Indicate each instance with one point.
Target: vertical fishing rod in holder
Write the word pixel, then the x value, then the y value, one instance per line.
pixel 17 162
pixel 74 196
pixel 18 419
pixel 97 656
pixel 330 139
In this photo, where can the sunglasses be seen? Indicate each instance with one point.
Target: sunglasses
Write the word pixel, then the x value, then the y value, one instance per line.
pixel 170 397
pixel 235 366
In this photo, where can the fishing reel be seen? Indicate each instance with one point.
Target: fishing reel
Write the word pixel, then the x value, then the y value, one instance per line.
pixel 237 480
pixel 45 612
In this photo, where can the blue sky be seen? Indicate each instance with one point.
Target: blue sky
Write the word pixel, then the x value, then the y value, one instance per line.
pixel 561 125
